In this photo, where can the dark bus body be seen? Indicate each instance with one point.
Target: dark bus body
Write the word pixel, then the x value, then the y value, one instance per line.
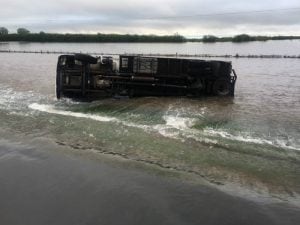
pixel 85 76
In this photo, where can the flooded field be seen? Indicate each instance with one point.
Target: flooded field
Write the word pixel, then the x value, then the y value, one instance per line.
pixel 251 141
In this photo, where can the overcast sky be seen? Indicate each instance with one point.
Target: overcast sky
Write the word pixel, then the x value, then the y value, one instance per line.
pixel 186 17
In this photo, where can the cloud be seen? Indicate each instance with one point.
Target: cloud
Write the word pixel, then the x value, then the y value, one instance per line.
pixel 193 17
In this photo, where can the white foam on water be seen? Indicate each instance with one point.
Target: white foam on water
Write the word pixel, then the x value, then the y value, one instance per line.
pixel 15 100
pixel 249 139
pixel 180 123
pixel 286 144
pixel 141 126
pixel 167 131
pixel 197 136
pixel 52 110
pixel 6 96
pixel 185 124
pixel 182 117
pixel 224 134
pixel 179 126
pixel 175 127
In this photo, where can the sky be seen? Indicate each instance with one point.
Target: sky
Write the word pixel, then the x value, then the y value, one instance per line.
pixel 190 18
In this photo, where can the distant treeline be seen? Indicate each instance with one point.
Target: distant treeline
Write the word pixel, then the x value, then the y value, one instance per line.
pixel 241 38
pixel 25 35
pixel 52 37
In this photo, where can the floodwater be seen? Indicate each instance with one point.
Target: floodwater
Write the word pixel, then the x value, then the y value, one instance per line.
pixel 249 142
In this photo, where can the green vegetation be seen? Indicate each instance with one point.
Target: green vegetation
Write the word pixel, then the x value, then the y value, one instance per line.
pixel 3 31
pixel 209 38
pixel 241 38
pixel 25 35
pixel 23 31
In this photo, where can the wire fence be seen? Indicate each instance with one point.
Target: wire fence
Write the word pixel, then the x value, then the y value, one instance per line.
pixel 178 55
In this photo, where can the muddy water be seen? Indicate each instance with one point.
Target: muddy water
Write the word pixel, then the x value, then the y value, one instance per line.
pixel 252 140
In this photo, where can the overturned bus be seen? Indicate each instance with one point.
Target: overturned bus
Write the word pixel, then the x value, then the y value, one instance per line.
pixel 85 76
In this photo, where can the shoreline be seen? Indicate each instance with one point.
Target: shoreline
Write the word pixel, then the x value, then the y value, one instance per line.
pixel 136 38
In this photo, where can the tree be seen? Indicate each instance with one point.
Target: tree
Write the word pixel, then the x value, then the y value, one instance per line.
pixel 3 31
pixel 209 38
pixel 242 38
pixel 23 31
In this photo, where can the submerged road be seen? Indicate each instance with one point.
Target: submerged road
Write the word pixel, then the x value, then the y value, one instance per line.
pixel 43 187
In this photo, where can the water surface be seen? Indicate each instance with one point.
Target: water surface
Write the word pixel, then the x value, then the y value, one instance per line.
pixel 252 139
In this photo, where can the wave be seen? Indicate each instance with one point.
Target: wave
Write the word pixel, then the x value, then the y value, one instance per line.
pixel 175 126
pixel 180 123
pixel 246 137
pixel 52 110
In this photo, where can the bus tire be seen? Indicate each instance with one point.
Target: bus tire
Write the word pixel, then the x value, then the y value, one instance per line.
pixel 221 87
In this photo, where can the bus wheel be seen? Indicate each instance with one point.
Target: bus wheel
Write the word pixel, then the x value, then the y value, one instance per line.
pixel 221 87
